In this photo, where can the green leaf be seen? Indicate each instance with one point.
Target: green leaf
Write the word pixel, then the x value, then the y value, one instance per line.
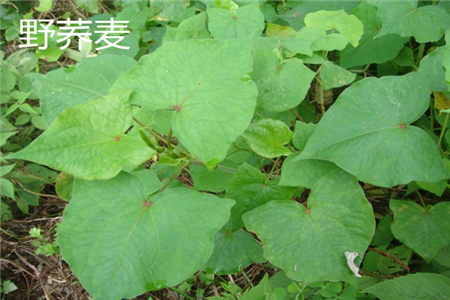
pixel 367 132
pixel 446 59
pixel 414 286
pixel 431 66
pixel 5 136
pixel 425 230
pixel 333 76
pixel 91 79
pixel 213 103
pixel 251 188
pixel 44 5
pixel 302 133
pixel 7 188
pixel 304 172
pixel 89 5
pixel 88 140
pixel 309 243
pixel 281 85
pixel 247 21
pixel 64 185
pixel 215 180
pixel 8 80
pixel 402 17
pixel 5 211
pixel 141 244
pixel 168 10
pixel 233 252
pixel 191 28
pixel 347 25
pixel 371 49
pixel 295 17
pixel 267 137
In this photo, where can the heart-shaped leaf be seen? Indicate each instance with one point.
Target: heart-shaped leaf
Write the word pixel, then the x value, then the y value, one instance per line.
pixel 367 132
pixel 88 140
pixel 91 79
pixel 120 243
pixel 425 230
pixel 309 243
pixel 206 84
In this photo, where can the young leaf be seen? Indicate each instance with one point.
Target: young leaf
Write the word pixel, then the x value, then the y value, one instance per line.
pixel 251 188
pixel 425 230
pixel 246 21
pixel 206 84
pixel 402 17
pixel 281 85
pixel 414 286
pixel 233 252
pixel 267 137
pixel 119 244
pixel 309 243
pixel 367 132
pixel 90 80
pixel 88 140
pixel 333 76
pixel 347 25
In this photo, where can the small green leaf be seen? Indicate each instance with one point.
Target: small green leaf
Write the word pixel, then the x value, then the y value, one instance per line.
pixel 423 230
pixel 333 76
pixel 267 138
pixel 233 252
pixel 64 185
pixel 251 188
pixel 7 188
pixel 88 140
pixel 414 286
pixel 281 85
pixel 89 5
pixel 367 132
pixel 302 133
pixel 5 211
pixel 246 21
pixel 140 243
pixel 309 243
pixel 44 5
pixel 347 25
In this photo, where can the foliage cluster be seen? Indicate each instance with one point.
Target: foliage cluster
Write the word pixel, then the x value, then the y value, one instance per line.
pixel 315 134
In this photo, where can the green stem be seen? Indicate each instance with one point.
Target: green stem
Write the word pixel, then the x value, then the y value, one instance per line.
pixel 174 175
pixel 297 115
pixel 431 117
pixel 420 54
pixel 162 139
pixel 169 139
pixel 247 278
pixel 274 166
pixel 421 199
pixel 441 136
pixel 181 293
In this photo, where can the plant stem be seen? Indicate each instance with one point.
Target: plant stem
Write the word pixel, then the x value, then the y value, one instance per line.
pixel 391 257
pixel 443 131
pixel 181 293
pixel 162 139
pixel 169 140
pixel 420 54
pixel 274 166
pixel 247 278
pixel 297 115
pixel 431 118
pixel 174 175
pixel 421 199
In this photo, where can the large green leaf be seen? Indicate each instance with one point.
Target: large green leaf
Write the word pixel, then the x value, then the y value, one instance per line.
pixel 367 132
pixel 281 84
pixel 251 188
pixel 91 79
pixel 420 286
pixel 233 252
pixel 121 243
pixel 347 25
pixel 88 140
pixel 267 137
pixel 403 17
pixel 425 230
pixel 432 66
pixel 371 49
pixel 308 243
pixel 206 84
pixel 246 21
